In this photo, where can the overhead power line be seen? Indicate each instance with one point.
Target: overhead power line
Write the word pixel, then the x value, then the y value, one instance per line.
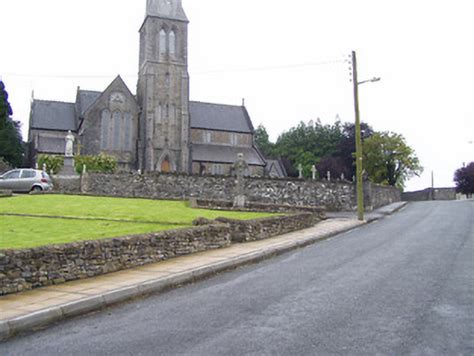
pixel 211 71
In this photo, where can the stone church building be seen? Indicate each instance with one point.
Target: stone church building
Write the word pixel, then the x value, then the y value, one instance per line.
pixel 159 129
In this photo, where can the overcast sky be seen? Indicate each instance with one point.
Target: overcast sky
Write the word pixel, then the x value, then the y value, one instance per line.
pixel 286 58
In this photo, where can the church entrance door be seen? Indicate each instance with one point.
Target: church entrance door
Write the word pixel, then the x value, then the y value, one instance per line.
pixel 165 166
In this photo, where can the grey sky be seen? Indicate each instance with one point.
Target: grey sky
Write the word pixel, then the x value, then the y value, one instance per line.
pixel 275 54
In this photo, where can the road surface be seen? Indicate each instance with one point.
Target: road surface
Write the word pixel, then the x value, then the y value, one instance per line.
pixel 403 285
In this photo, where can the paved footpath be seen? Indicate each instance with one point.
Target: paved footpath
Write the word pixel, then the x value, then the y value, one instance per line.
pixel 25 311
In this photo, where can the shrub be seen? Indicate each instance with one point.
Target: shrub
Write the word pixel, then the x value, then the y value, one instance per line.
pixel 53 163
pixel 4 166
pixel 102 163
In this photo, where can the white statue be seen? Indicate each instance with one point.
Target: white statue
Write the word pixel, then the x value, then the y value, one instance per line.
pixel 69 144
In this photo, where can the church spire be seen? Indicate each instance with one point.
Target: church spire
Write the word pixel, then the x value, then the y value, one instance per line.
pixel 170 9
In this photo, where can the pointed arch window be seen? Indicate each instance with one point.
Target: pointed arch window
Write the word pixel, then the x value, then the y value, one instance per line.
pixel 128 132
pixel 162 42
pixel 172 43
pixel 117 132
pixel 105 129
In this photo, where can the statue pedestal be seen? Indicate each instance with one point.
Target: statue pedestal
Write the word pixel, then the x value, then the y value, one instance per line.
pixel 68 169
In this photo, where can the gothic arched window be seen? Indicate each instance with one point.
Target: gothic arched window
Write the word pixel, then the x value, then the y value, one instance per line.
pixel 162 42
pixel 117 120
pixel 128 132
pixel 105 129
pixel 172 43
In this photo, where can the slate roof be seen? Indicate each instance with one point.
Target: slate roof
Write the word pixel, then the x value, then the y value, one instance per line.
pixel 278 166
pixel 85 98
pixel 225 154
pixel 168 9
pixel 219 117
pixel 53 115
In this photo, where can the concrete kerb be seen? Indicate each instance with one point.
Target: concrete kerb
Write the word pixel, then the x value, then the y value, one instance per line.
pixel 50 315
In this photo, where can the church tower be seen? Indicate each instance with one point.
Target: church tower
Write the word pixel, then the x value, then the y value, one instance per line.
pixel 163 88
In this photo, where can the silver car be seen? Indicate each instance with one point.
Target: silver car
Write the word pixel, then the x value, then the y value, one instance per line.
pixel 26 180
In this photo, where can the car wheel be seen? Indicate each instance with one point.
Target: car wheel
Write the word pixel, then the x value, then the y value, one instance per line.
pixel 36 189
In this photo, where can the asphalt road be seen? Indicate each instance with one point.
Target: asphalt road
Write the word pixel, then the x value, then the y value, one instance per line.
pixel 403 285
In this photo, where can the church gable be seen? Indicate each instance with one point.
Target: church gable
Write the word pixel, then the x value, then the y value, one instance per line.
pixel 110 125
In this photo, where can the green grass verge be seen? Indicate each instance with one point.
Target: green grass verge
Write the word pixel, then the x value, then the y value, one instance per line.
pixel 145 216
pixel 26 232
pixel 174 212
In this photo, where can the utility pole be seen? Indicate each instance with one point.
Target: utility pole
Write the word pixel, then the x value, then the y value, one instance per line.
pixel 358 139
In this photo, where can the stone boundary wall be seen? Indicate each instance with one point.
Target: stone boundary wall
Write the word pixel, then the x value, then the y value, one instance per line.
pixel 430 194
pixel 334 196
pixel 260 229
pixel 43 266
pixel 255 207
pixel 37 267
pixel 377 196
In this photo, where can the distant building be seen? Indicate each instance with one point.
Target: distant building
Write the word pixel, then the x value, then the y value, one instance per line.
pixel 159 129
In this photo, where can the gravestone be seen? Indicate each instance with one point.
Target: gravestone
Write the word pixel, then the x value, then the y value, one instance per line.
pixel 314 171
pixel 300 171
pixel 240 166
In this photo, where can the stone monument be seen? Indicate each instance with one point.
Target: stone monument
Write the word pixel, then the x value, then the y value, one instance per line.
pixel 68 169
pixel 240 166
pixel 300 171
pixel 314 171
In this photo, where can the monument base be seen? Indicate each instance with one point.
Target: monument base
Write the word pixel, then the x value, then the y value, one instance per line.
pixel 68 169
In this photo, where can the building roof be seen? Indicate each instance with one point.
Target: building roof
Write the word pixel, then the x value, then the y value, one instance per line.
pixel 171 9
pixel 219 117
pixel 85 98
pixel 53 115
pixel 275 165
pixel 225 154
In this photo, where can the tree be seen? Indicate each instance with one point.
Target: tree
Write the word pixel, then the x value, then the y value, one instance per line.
pixel 307 144
pixel 346 147
pixel 334 165
pixel 464 179
pixel 11 144
pixel 262 140
pixel 389 160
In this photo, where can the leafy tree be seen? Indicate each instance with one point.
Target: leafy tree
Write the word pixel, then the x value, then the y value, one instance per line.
pixel 346 147
pixel 464 179
pixel 262 140
pixel 307 144
pixel 389 160
pixel 11 144
pixel 335 165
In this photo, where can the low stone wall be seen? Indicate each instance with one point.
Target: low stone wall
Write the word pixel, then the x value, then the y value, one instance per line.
pixel 376 196
pixel 260 229
pixel 255 207
pixel 334 196
pixel 67 184
pixel 430 194
pixel 43 266
pixel 37 267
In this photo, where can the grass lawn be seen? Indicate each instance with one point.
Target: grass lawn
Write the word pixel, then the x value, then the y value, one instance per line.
pixel 163 211
pixel 26 232
pixel 141 215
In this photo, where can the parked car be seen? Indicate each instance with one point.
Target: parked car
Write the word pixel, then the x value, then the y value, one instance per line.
pixel 26 180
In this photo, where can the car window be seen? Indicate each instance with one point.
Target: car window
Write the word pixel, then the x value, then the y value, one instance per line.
pixel 45 175
pixel 12 175
pixel 28 173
